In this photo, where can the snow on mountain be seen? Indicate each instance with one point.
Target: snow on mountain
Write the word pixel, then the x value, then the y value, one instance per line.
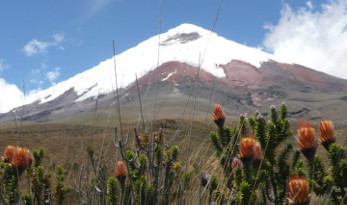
pixel 184 44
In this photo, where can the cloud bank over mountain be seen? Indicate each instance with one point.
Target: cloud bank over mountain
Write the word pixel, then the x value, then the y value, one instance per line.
pixel 10 95
pixel 314 36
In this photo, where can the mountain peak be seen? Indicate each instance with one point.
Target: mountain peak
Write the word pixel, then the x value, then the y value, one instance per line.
pixel 182 51
pixel 183 33
pixel 187 28
pixel 184 43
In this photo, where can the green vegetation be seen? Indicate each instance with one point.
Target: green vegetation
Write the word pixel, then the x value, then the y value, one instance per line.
pixel 252 161
pixel 40 182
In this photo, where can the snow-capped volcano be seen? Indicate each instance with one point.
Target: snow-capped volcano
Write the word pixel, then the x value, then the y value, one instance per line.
pixel 184 44
pixel 244 76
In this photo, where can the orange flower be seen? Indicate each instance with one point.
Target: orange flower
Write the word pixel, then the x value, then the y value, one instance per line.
pixel 247 150
pixel 298 190
pixel 236 163
pixel 218 116
pixel 121 170
pixel 21 158
pixel 306 140
pixel 258 154
pixel 326 135
pixel 8 154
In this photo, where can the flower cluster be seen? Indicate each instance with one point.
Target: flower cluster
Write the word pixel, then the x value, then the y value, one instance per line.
pixel 250 151
pixel 20 158
pixel 306 137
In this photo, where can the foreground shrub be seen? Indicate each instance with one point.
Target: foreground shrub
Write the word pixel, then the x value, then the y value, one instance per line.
pixel 16 160
pixel 325 182
pixel 256 168
pixel 150 176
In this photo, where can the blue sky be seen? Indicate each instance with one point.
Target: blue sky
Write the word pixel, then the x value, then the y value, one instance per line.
pixel 44 42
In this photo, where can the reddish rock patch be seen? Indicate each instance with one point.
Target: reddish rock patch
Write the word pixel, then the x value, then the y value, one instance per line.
pixel 174 72
pixel 240 73
pixel 312 77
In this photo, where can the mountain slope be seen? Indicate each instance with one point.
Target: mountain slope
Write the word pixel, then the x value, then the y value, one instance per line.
pixel 182 44
pixel 247 77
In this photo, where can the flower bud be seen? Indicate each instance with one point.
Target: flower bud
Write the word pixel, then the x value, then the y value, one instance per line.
pixel 121 172
pixel 247 150
pixel 298 190
pixel 8 154
pixel 236 163
pixel 218 116
pixel 260 117
pixel 326 134
pixel 306 140
pixel 258 154
pixel 272 107
pixel 257 113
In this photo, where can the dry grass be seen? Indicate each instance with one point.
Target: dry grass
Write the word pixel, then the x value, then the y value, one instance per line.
pixel 63 146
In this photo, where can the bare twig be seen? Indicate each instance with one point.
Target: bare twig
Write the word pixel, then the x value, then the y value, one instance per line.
pixel 193 114
pixel 117 92
pixel 182 115
pixel 209 103
pixel 156 71
pixel 80 194
pixel 140 104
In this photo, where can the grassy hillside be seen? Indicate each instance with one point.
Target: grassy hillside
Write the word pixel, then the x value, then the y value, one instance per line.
pixel 65 144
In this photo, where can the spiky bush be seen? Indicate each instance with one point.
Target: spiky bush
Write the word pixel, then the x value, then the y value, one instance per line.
pixel 325 180
pixel 258 166
pixel 254 162
pixel 16 161
pixel 147 175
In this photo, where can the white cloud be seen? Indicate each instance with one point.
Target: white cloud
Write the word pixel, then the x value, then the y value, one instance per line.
pixel 3 65
pixel 53 75
pixel 10 96
pixel 309 5
pixel 313 38
pixel 35 47
pixel 58 37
